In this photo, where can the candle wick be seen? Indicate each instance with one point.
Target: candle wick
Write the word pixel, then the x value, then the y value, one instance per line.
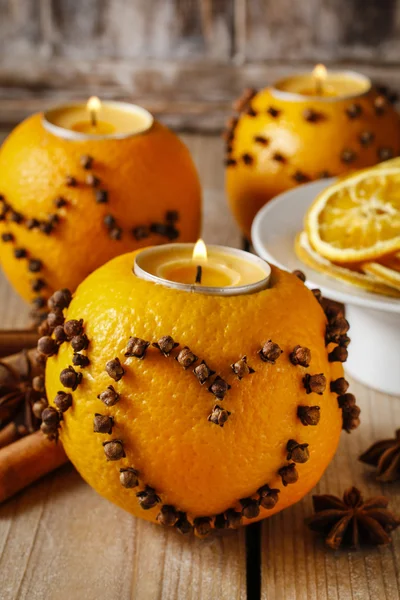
pixel 319 86
pixel 93 118
pixel 199 273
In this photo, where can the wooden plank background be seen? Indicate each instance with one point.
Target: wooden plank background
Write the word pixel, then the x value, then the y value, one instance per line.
pixel 60 540
pixel 184 59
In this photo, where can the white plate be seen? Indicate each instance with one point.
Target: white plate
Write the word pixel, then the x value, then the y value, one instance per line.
pixel 273 233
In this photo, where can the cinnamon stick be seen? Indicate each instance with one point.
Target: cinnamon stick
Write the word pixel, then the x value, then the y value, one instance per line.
pixel 26 460
pixel 14 340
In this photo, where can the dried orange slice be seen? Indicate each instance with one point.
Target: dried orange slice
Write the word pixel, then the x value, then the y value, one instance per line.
pixel 357 219
pixel 366 281
pixel 392 163
pixel 388 273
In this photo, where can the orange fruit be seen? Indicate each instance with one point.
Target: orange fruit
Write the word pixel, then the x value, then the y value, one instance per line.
pixel 160 420
pixel 274 144
pixel 357 218
pixel 143 178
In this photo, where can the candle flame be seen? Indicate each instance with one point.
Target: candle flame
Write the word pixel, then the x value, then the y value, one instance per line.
pixel 199 251
pixel 320 72
pixel 93 104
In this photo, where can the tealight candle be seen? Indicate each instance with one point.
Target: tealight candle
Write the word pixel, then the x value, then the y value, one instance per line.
pixel 324 84
pixel 213 270
pixel 97 120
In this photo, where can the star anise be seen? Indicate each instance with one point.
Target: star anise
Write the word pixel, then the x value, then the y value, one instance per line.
pixel 385 455
pixel 351 521
pixel 16 393
pixel 18 398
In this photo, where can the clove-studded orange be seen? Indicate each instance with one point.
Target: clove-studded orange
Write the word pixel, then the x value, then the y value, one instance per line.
pixel 274 144
pixel 162 424
pixel 68 207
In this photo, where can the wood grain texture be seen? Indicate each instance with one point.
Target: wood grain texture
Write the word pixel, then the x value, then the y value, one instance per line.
pixel 145 28
pixel 59 539
pixel 339 30
pixel 119 29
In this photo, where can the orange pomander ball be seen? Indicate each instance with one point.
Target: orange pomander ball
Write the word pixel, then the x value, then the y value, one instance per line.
pixel 192 410
pixel 68 207
pixel 274 144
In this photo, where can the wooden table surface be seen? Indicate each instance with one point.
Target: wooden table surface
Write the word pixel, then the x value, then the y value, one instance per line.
pixel 60 540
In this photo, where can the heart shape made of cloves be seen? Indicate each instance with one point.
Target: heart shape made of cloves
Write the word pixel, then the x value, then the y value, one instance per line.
pixel 162 434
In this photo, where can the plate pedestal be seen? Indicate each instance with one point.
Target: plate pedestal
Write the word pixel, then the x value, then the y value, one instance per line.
pixel 374 352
